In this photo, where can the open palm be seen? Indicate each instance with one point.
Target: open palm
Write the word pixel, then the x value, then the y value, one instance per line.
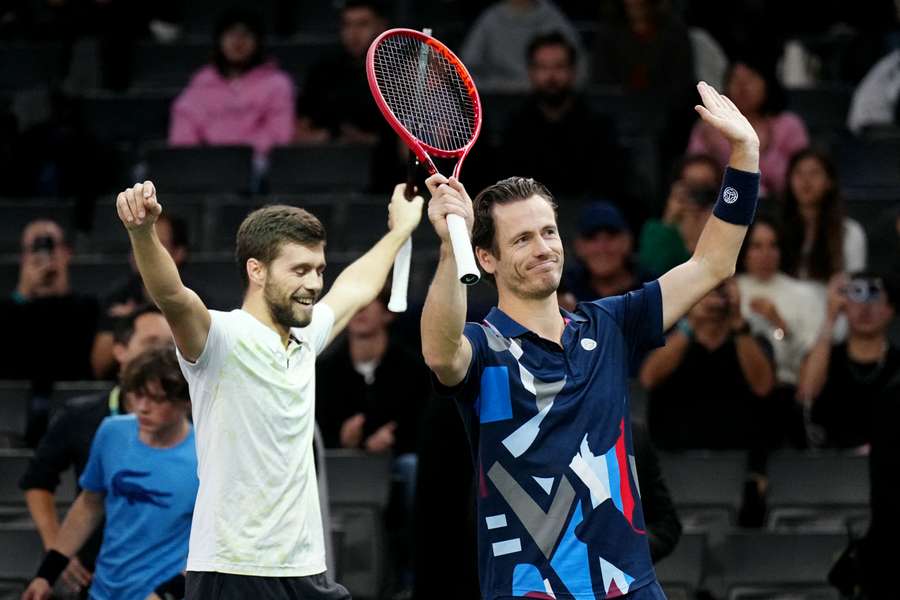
pixel 721 113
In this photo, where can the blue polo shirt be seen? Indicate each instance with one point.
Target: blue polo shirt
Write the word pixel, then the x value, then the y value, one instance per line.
pixel 559 512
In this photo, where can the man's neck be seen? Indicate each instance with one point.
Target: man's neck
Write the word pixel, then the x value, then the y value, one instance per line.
pixel 255 305
pixel 866 349
pixel 541 316
pixel 168 437
pixel 612 285
pixel 554 114
pixel 366 348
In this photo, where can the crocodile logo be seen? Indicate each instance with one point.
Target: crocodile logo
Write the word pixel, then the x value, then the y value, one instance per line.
pixel 124 486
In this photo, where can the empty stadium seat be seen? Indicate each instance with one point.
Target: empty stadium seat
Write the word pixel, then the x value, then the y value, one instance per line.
pixel 706 487
pixel 358 490
pixel 823 109
pixel 772 565
pixel 168 66
pixel 200 169
pixel 364 223
pixel 24 66
pixel 229 213
pixel 15 398
pixel 216 279
pixel 18 213
pixel 108 235
pixel 320 167
pixel 97 277
pixel 127 118
pixel 300 54
pixel 869 163
pixel 21 551
pixel 682 571
pixel 821 491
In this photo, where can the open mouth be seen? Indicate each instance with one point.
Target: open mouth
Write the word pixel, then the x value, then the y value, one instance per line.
pixel 306 302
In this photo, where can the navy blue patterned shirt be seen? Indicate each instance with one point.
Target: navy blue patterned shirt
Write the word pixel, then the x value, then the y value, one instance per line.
pixel 559 512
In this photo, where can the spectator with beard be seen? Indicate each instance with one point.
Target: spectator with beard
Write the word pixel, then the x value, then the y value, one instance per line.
pixel 555 133
pixel 240 98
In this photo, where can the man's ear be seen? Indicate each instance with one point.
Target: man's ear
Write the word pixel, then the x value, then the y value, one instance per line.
pixel 486 260
pixel 256 272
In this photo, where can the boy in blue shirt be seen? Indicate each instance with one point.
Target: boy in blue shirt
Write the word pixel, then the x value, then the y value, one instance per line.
pixel 544 392
pixel 142 475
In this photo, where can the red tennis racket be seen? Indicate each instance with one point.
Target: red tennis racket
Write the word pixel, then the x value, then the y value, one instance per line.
pixel 428 97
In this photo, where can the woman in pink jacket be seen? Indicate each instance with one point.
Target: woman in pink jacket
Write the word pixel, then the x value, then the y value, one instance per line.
pixel 756 92
pixel 240 97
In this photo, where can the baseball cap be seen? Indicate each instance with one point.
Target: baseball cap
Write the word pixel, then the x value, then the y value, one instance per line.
pixel 601 216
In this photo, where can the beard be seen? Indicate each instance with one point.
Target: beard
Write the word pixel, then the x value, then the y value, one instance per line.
pixel 554 97
pixel 283 309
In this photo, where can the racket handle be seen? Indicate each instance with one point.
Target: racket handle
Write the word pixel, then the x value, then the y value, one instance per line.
pixel 466 269
pixel 400 280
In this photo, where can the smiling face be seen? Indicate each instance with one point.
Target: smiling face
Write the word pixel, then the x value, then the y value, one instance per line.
pixel 528 257
pixel 293 282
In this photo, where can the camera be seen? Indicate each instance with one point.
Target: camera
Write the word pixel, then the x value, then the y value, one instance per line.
pixel 863 290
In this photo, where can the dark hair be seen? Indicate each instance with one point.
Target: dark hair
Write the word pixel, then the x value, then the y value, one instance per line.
pixel 238 16
pixel 554 38
pixel 764 66
pixel 180 233
pixel 826 256
pixel 689 160
pixel 266 229
pixel 157 364
pixel 505 191
pixel 123 327
pixel 760 219
pixel 376 7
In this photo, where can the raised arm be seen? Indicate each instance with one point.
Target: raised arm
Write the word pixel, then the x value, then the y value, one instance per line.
pixel 187 316
pixel 361 282
pixel 715 256
pixel 446 350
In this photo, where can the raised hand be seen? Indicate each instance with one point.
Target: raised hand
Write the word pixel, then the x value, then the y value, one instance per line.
pixel 138 207
pixel 404 215
pixel 721 113
pixel 448 196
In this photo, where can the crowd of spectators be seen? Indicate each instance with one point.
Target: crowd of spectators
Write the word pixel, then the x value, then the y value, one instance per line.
pixel 796 351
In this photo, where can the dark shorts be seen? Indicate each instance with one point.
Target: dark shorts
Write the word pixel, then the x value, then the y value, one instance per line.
pixel 222 586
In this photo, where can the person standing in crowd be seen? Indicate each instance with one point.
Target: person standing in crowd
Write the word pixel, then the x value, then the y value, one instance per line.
pixel 240 98
pixel 67 442
pixel 257 530
pixel 839 383
pixel 142 477
pixel 559 512
pixel 755 90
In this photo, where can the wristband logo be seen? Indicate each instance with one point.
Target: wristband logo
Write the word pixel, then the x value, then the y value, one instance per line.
pixel 730 195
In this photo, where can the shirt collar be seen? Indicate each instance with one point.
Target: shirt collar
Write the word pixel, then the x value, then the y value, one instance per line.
pixel 511 329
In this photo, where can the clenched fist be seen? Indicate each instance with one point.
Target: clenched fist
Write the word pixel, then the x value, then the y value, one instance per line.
pixel 138 207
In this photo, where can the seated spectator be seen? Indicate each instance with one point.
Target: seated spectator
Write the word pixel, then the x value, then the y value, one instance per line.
pixel 67 442
pixel 335 103
pixel 555 133
pixel 839 383
pixel 129 293
pixel 712 345
pixel 370 394
pixel 45 316
pixel 667 242
pixel 819 241
pixel 604 265
pixel 756 92
pixel 142 476
pixel 496 48
pixel 240 98
pixel 875 100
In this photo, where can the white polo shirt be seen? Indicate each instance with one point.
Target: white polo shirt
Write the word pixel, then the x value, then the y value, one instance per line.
pixel 257 510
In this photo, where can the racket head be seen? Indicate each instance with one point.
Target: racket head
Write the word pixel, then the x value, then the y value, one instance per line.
pixel 445 120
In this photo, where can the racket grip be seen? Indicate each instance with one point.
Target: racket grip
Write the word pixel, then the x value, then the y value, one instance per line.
pixel 400 280
pixel 466 269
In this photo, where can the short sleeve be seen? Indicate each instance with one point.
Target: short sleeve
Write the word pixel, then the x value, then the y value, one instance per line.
pixel 93 478
pixel 639 316
pixel 319 329
pixel 216 348
pixel 467 390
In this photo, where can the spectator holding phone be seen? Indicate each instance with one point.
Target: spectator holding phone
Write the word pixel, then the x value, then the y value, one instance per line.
pixel 839 382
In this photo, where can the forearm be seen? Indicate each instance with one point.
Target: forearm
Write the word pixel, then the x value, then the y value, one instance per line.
pixel 81 521
pixel 662 362
pixel 43 512
pixel 814 371
pixel 444 315
pixel 755 365
pixel 158 271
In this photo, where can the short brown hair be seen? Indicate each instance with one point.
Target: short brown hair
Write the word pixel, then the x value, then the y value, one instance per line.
pixel 263 232
pixel 157 364
pixel 505 191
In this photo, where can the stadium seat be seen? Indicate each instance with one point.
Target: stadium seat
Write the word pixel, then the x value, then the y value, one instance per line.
pixel 817 492
pixel 364 223
pixel 706 488
pixel 25 66
pixel 869 163
pixel 200 169
pixel 21 551
pixel 15 398
pixel 358 489
pixel 823 109
pixel 168 66
pixel 127 118
pixel 108 235
pixel 98 276
pixel 632 114
pixel 300 54
pixel 18 213
pixel 771 565
pixel 682 571
pixel 229 212
pixel 216 279
pixel 320 168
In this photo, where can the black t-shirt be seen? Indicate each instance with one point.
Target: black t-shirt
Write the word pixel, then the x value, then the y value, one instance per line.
pixel 706 403
pixel 843 411
pixel 398 393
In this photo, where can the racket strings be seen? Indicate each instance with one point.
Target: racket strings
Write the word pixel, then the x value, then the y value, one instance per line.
pixel 425 92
